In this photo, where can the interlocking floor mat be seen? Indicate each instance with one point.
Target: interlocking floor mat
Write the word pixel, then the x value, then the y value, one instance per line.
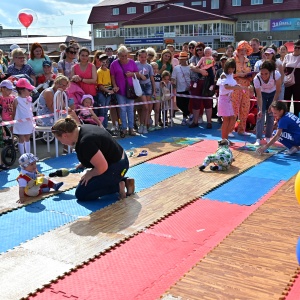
pixel 256 261
pixel 292 291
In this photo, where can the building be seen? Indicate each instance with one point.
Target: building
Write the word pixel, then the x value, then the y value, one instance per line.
pixel 49 43
pixel 9 32
pixel 217 23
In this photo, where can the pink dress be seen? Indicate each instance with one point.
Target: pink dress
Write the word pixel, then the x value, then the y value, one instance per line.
pixel 88 88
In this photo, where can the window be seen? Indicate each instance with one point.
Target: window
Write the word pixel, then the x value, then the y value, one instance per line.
pixel 215 4
pixel 204 3
pixel 260 25
pixel 160 5
pixel 147 9
pixel 277 1
pixel 116 11
pixel 131 10
pixel 256 2
pixel 179 3
pixel 236 3
pixel 194 3
pixel 243 26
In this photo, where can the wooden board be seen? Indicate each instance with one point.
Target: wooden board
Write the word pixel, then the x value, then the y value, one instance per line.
pixel 256 261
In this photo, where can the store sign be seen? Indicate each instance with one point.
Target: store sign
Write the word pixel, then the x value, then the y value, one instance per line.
pixel 227 38
pixel 111 25
pixel 151 41
pixel 285 24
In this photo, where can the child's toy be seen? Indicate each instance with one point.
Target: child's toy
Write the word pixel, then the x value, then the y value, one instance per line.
pixel 65 172
pixel 222 159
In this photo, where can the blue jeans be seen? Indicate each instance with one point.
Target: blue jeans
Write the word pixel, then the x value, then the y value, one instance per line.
pixel 103 101
pixel 104 184
pixel 267 99
pixel 126 112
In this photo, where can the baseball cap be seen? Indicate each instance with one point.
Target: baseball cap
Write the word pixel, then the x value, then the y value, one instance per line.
pixel 109 48
pixel 47 63
pixel 24 83
pixel 26 159
pixel 103 56
pixel 16 46
pixel 7 83
pixel 215 53
pixel 270 51
pixel 87 97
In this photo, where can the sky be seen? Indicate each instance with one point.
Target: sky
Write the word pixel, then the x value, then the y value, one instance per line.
pixel 53 16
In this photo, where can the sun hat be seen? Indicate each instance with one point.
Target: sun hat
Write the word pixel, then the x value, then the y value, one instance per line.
pixel 183 55
pixel 26 159
pixel 245 45
pixel 7 83
pixel 87 96
pixel 103 56
pixel 16 46
pixel 270 51
pixel 24 83
pixel 47 63
pixel 223 57
pixel 193 43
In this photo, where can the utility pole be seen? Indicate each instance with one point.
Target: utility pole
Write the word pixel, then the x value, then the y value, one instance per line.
pixel 71 23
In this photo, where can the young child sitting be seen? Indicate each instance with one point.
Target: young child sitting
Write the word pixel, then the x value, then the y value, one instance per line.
pixel 31 182
pixel 86 113
pixel 207 63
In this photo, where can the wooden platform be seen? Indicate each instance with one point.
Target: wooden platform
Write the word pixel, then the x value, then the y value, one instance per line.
pixel 256 261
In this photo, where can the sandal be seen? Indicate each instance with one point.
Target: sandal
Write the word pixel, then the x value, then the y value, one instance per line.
pixel 143 153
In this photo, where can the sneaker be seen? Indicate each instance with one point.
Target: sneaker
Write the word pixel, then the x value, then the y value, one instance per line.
pixel 145 131
pixel 245 133
pixel 157 127
pixel 293 150
pixel 230 134
pixel 200 120
pixel 257 143
pixel 190 119
pixel 184 122
pixel 57 186
pixel 141 129
pixel 151 128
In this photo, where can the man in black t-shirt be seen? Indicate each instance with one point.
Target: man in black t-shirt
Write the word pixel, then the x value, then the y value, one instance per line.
pixel 256 54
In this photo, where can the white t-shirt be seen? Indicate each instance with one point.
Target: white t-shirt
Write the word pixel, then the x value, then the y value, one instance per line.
pixel 291 60
pixel 228 80
pixel 182 76
pixel 268 87
pixel 260 62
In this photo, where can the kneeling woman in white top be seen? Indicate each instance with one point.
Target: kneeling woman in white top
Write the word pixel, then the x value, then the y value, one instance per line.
pixel 267 85
pixel 227 84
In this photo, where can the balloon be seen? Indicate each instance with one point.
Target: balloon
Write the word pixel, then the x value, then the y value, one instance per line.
pixel 27 17
pixel 297 187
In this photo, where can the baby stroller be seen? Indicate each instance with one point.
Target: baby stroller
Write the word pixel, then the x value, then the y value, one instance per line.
pixel 9 152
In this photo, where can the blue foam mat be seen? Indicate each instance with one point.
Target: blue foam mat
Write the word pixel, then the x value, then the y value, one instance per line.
pixel 26 223
pixel 242 190
pixel 147 175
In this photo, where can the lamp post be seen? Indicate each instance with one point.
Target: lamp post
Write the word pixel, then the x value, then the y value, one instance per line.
pixel 71 23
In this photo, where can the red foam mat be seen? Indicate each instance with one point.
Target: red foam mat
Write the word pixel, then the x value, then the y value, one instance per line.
pixel 294 293
pixel 190 156
pixel 146 265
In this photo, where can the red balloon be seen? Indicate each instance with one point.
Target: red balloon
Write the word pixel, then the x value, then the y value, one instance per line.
pixel 25 19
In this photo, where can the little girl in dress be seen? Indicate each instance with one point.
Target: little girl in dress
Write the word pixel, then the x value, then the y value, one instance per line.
pixel 227 84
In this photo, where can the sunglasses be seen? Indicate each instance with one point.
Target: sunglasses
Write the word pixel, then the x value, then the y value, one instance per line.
pixel 199 49
pixel 149 54
pixel 191 47
pixel 76 48
pixel 72 52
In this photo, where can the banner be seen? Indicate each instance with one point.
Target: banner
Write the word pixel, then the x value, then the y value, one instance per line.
pixel 285 24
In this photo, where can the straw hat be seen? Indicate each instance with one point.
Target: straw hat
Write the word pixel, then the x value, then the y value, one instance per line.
pixel 183 55
pixel 245 45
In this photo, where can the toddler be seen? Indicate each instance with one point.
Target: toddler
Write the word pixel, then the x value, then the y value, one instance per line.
pixel 22 109
pixel 6 100
pixel 31 182
pixel 156 106
pixel 207 63
pixel 165 86
pixel 86 113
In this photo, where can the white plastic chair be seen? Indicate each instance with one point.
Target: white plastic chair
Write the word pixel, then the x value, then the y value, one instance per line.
pixel 60 108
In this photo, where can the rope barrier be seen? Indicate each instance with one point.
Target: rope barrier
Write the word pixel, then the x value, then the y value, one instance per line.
pixel 5 123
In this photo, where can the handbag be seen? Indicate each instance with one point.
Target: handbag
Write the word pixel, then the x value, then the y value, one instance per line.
pixel 289 79
pixel 130 93
pixel 137 86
